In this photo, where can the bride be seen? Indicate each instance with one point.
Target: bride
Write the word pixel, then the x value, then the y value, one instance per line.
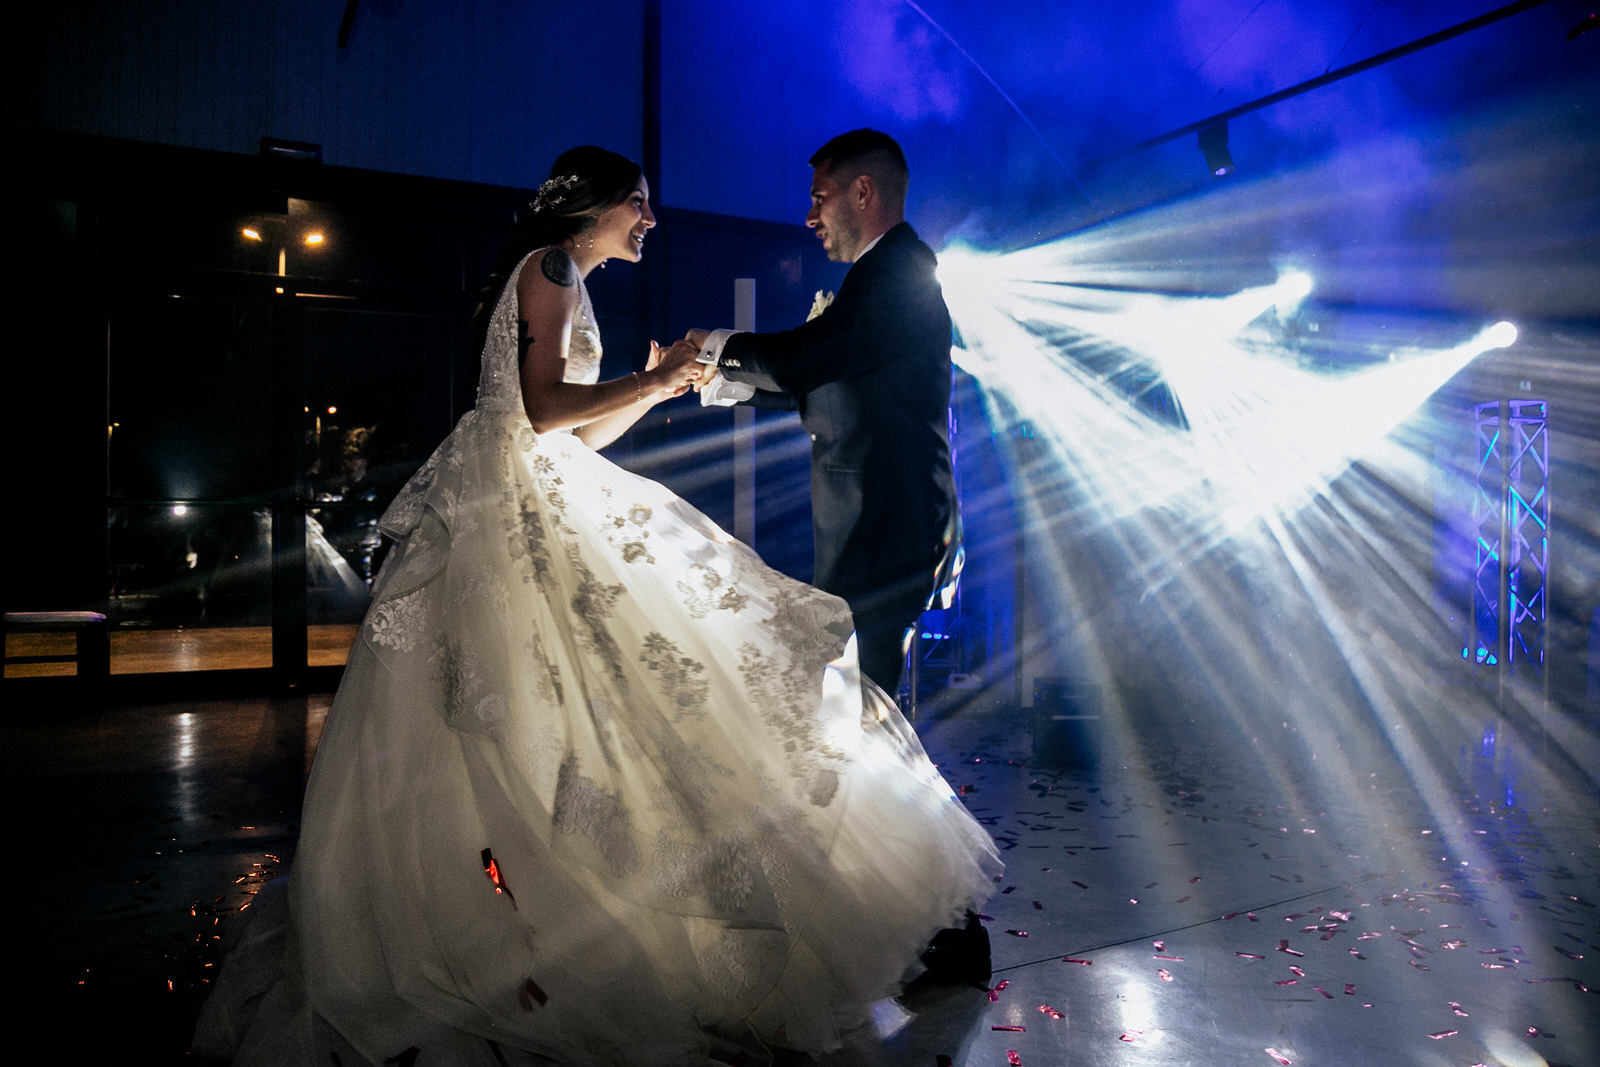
pixel 599 787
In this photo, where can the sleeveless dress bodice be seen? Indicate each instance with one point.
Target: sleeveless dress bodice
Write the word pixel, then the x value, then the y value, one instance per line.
pixel 499 384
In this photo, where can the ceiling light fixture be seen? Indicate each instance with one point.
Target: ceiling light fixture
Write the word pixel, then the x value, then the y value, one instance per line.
pixel 1214 143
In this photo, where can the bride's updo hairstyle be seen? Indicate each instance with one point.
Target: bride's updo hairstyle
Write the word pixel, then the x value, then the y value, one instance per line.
pixel 585 182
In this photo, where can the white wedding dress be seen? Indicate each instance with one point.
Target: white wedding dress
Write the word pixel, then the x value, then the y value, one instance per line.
pixel 704 836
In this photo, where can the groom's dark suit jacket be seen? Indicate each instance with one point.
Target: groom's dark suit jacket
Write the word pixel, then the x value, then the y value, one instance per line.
pixel 870 377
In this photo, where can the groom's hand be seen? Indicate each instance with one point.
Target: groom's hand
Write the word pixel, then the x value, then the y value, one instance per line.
pixel 697 337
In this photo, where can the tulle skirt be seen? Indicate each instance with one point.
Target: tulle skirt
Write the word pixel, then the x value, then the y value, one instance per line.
pixel 598 787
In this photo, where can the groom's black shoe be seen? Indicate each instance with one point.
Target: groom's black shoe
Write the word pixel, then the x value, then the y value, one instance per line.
pixel 960 954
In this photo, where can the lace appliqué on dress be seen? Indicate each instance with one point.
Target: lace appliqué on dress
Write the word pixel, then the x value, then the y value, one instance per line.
pixel 628 533
pixel 396 624
pixel 585 810
pixel 705 590
pixel 680 676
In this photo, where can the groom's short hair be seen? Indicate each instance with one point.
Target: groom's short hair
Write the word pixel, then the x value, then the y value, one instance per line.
pixel 869 152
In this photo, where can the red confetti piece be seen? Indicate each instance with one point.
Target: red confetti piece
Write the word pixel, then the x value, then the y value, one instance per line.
pixel 1072 959
pixel 1166 975
pixel 1184 900
pixel 994 994
pixel 1048 1010
pixel 1195 879
pixel 1444 1034
pixel 1011 1029
pixel 1079 884
pixel 1280 1057
pixel 1283 946
pixel 1008 889
pixel 1017 933
pixel 1251 916
pixel 1177 958
pixel 1131 1035
pixel 1297 972
pixel 1349 989
pixel 1324 992
pixel 1457 1009
pixel 1287 981
pixel 1250 955
pixel 491 867
pixel 1013 1058
pixel 1231 915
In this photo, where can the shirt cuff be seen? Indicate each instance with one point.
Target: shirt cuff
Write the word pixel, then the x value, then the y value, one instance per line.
pixel 711 351
pixel 721 393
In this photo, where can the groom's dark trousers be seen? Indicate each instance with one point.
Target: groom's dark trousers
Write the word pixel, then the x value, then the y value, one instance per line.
pixel 870 378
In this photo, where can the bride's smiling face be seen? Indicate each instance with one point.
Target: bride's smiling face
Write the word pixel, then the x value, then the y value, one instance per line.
pixel 619 231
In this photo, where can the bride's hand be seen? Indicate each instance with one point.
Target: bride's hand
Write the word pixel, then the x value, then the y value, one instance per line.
pixel 674 368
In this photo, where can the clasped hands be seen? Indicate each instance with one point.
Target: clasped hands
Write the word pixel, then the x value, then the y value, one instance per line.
pixel 677 369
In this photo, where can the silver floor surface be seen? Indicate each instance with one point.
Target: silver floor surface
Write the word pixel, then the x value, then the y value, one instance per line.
pixel 1171 897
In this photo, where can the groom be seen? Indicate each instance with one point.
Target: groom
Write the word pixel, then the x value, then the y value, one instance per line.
pixel 870 377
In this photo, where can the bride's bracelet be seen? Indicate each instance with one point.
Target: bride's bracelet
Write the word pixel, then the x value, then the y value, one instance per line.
pixel 638 388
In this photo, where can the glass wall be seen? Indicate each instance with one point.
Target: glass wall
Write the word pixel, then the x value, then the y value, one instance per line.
pixel 276 368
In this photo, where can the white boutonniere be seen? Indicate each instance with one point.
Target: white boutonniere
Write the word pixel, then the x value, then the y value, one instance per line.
pixel 819 304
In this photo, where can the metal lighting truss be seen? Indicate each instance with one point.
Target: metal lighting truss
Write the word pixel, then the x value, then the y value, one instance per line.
pixel 1511 522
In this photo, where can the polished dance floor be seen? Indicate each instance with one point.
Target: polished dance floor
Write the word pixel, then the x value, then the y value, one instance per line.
pixel 1166 901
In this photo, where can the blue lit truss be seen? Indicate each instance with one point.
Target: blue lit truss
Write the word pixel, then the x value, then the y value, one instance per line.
pixel 1511 530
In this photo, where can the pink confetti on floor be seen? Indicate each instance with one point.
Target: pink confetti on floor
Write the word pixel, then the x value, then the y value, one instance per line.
pixel 1048 1010
pixel 1017 933
pixel 1283 946
pixel 1440 1035
pixel 1457 1009
pixel 1297 972
pixel 1250 955
pixel 1280 1057
pixel 1177 958
pixel 1349 989
pixel 1011 1029
pixel 1159 946
pixel 1013 1057
pixel 1131 1036
pixel 1324 992
pixel 1166 975
pixel 1074 959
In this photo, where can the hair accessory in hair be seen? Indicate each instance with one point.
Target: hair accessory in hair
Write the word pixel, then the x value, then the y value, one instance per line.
pixel 552 193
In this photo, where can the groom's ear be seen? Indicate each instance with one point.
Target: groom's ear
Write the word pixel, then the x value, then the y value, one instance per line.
pixel 863 191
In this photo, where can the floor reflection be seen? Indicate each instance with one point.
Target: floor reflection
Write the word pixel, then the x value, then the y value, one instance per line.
pixel 1173 904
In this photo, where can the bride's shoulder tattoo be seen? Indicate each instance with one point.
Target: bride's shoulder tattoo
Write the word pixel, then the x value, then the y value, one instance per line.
pixel 559 268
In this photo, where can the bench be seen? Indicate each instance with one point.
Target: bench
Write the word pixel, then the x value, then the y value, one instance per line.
pixel 92 650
